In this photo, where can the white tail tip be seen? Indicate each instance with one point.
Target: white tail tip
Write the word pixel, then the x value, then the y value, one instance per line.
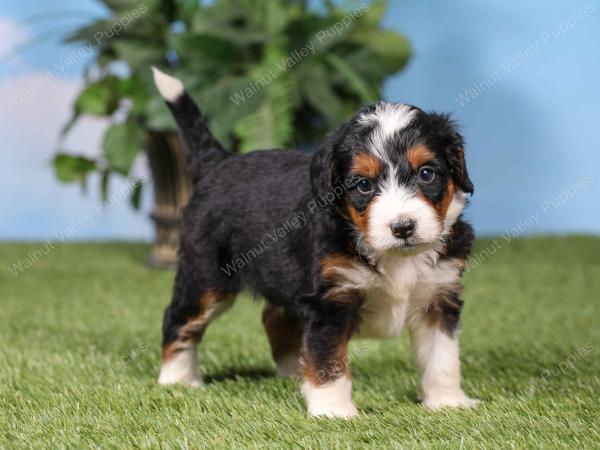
pixel 169 87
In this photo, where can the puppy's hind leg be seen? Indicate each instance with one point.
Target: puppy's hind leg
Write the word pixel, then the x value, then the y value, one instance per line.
pixel 284 330
pixel 185 321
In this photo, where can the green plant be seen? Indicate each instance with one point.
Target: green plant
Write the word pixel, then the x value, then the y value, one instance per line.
pixel 267 73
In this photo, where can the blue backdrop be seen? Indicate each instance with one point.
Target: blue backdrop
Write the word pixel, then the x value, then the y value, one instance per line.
pixel 520 77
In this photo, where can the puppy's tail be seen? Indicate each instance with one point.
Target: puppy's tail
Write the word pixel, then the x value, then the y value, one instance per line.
pixel 201 148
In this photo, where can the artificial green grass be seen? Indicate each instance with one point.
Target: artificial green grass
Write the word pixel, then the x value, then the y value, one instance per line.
pixel 80 351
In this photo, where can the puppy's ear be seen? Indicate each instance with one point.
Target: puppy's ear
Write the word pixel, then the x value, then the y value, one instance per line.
pixel 458 167
pixel 448 136
pixel 324 175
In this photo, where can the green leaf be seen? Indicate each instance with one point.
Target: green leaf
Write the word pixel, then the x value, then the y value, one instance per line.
pixel 106 56
pixel 270 126
pixel 354 79
pixel 316 89
pixel 310 29
pixel 374 14
pixel 100 99
pixel 158 116
pixel 392 48
pixel 232 22
pixel 89 32
pixel 134 89
pixel 187 10
pixel 361 61
pixel 121 144
pixel 69 168
pixel 225 102
pixel 210 48
pixel 275 16
pixel 137 52
pixel 136 195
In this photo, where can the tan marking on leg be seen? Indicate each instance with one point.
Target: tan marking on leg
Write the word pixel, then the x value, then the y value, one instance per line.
pixel 328 389
pixel 336 367
pixel 284 331
pixel 169 351
pixel 179 364
pixel 211 305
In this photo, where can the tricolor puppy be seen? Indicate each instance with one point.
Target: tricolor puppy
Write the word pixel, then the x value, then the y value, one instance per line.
pixel 357 240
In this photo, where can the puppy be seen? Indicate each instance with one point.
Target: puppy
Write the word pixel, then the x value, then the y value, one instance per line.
pixel 357 240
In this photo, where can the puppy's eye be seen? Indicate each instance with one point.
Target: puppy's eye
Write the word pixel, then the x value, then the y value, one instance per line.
pixel 365 186
pixel 426 174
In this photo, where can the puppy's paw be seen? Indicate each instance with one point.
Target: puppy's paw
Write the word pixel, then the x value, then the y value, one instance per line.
pixel 457 399
pixel 344 411
pixel 332 399
pixel 192 382
pixel 181 369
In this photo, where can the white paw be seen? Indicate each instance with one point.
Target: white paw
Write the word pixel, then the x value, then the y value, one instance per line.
pixel 332 399
pixel 456 399
pixel 181 369
pixel 335 411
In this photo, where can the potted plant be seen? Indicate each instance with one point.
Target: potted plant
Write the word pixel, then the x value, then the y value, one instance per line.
pixel 267 74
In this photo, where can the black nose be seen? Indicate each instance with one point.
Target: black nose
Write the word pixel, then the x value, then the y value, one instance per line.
pixel 403 229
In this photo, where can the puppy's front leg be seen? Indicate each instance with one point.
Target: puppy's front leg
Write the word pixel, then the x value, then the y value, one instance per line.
pixel 434 338
pixel 327 384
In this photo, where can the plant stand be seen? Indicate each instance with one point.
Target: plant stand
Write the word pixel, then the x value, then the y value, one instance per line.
pixel 172 187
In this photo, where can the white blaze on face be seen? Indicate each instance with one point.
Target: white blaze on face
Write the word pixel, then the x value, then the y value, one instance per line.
pixel 396 202
pixel 388 118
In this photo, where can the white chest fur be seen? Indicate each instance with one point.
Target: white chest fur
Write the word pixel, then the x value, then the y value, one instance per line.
pixel 399 286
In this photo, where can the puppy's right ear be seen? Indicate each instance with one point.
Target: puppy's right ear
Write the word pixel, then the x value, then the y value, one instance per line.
pixel 321 171
pixel 324 175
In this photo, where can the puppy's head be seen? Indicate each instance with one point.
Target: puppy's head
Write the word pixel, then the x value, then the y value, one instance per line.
pixel 398 174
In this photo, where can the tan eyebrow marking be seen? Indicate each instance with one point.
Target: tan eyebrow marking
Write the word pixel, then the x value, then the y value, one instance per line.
pixel 366 165
pixel 419 155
